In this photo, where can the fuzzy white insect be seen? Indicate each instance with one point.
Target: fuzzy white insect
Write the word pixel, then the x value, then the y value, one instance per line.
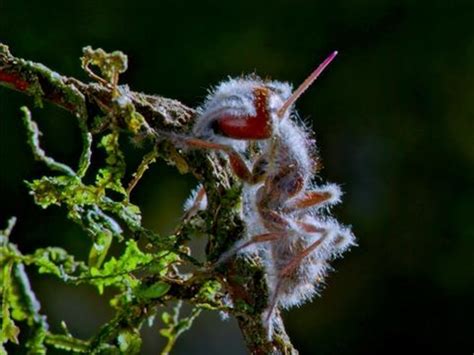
pixel 285 211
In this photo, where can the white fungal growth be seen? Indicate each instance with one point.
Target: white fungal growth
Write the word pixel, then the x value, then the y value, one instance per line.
pixel 195 200
pixel 285 212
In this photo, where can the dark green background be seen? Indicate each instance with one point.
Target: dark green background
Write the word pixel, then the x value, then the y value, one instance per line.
pixel 393 116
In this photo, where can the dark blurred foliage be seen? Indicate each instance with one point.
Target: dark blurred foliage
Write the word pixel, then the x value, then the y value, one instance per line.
pixel 393 116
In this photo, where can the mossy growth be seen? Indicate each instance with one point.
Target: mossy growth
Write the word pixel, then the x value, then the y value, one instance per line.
pixel 142 276
pixel 146 276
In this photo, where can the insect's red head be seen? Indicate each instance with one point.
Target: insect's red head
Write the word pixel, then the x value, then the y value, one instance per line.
pixel 257 126
pixel 242 109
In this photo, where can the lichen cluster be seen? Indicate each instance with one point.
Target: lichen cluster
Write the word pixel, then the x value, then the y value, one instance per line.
pixel 146 273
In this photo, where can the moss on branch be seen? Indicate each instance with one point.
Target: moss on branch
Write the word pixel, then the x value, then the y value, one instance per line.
pixel 146 277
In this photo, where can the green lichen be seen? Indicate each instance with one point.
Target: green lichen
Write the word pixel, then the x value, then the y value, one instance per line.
pixel 175 326
pixel 148 159
pixel 110 177
pixel 109 64
pixel 147 272
pixel 4 50
pixel 102 217
pixel 156 290
pixel 18 300
pixel 39 154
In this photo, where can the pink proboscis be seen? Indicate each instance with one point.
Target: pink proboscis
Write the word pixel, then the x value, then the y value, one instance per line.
pixel 306 84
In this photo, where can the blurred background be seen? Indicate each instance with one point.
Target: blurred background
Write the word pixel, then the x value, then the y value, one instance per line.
pixel 393 117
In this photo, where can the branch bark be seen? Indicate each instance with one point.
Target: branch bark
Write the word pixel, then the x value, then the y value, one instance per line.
pixel 243 278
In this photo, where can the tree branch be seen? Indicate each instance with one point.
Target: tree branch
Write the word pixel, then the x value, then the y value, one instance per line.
pixel 243 278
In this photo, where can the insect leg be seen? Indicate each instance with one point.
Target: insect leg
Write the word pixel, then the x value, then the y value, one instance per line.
pixel 237 162
pixel 197 200
pixel 328 195
pixel 261 238
pixel 298 258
